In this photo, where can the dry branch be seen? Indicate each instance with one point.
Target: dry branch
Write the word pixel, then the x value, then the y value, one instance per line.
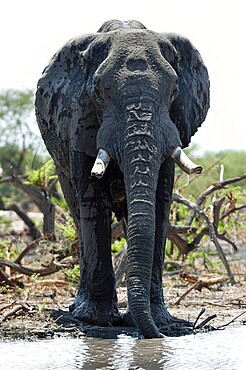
pixel 17 307
pixel 55 282
pixel 42 201
pixel 54 267
pixel 197 209
pixel 198 284
pixel 211 189
pixel 27 249
pixel 33 230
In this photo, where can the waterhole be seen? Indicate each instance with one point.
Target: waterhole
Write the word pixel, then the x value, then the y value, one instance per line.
pixel 225 350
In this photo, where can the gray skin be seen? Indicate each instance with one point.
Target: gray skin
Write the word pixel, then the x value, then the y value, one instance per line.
pixel 138 95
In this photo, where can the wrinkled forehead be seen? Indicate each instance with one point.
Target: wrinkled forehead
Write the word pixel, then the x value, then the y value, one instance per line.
pixel 128 38
pixel 124 41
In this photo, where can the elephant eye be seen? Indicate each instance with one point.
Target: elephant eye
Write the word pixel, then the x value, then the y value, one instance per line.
pixel 174 94
pixel 96 52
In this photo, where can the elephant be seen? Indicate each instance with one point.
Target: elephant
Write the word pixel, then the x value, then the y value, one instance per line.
pixel 115 109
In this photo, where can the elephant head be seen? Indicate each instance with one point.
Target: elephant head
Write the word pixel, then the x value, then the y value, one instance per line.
pixel 137 97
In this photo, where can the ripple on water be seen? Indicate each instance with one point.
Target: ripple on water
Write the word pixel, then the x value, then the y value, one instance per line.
pixel 215 350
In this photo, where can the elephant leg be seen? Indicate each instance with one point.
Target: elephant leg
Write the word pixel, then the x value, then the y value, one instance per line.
pixel 96 302
pixel 159 311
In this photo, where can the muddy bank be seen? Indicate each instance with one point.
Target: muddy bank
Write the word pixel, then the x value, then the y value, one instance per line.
pixel 41 311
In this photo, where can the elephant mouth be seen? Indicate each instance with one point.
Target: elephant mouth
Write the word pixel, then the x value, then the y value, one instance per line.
pixel 179 156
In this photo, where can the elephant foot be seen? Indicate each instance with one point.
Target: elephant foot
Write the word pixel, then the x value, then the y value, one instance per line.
pixel 102 313
pixel 161 317
pixel 127 319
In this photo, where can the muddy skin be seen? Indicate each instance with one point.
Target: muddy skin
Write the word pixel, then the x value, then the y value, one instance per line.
pixel 137 95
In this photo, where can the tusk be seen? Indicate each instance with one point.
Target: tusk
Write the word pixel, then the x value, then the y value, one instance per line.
pixel 185 163
pixel 101 163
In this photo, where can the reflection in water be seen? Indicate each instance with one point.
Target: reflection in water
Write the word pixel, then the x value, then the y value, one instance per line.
pixel 215 350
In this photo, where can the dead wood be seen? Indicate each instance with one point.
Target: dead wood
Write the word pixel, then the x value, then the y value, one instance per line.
pixel 211 189
pixel 7 305
pixel 53 267
pixel 17 307
pixel 33 230
pixel 231 321
pixel 205 283
pixel 55 282
pixel 197 209
pixel 198 284
pixel 28 248
pixel 205 322
pixel 7 280
pixel 42 201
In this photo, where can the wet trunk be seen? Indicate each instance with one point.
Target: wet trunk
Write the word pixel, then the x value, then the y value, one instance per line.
pixel 142 163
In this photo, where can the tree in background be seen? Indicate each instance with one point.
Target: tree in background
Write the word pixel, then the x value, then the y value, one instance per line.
pixel 19 143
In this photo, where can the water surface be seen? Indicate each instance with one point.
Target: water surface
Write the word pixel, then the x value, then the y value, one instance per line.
pixel 225 350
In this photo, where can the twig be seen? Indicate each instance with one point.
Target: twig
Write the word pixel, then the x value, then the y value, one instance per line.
pixel 204 322
pixel 224 325
pixel 194 286
pixel 212 234
pixel 198 317
pixel 212 188
pixel 7 305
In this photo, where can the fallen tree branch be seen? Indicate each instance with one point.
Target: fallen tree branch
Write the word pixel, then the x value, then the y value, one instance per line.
pixel 57 283
pixel 195 286
pixel 14 310
pixel 198 284
pixel 54 267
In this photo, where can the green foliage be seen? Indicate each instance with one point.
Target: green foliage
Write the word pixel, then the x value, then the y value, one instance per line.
pixel 7 248
pixel 117 245
pixel 73 274
pixel 18 140
pixel 60 202
pixel 16 117
pixel 232 161
pixel 3 220
pixel 13 158
pixel 206 259
pixel 14 103
pixel 42 176
pixel 68 229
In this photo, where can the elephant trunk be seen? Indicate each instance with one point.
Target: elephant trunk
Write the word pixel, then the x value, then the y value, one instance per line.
pixel 141 168
pixel 147 141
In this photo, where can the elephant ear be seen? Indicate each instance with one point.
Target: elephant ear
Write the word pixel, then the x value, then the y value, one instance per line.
pixel 190 108
pixel 62 102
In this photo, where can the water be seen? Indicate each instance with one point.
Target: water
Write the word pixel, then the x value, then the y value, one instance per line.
pixel 225 350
